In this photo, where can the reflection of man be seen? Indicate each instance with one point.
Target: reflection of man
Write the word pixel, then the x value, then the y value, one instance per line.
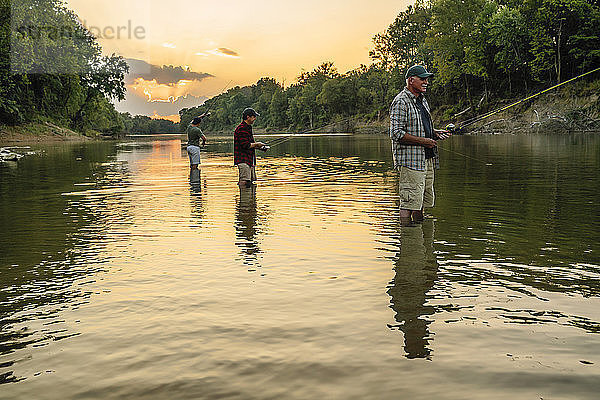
pixel 197 202
pixel 195 176
pixel 414 144
pixel 243 148
pixel 416 270
pixel 245 226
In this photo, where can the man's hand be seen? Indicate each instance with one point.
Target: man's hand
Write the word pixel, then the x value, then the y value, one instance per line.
pixel 258 145
pixel 442 134
pixel 428 143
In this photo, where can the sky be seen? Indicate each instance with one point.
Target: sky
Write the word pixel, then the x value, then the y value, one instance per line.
pixel 182 52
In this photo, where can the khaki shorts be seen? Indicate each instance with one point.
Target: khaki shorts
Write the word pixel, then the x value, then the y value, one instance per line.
pixel 246 172
pixel 416 187
pixel 194 154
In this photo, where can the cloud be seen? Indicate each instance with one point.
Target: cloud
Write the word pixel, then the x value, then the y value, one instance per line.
pixel 137 104
pixel 228 52
pixel 224 52
pixel 165 75
pixel 158 91
pixel 161 93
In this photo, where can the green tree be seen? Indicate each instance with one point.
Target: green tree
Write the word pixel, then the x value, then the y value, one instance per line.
pixel 403 42
pixel 564 36
pixel 458 39
pixel 277 109
pixel 510 38
pixel 51 67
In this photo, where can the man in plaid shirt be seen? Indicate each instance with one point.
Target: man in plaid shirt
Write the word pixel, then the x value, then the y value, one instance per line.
pixel 414 145
pixel 243 148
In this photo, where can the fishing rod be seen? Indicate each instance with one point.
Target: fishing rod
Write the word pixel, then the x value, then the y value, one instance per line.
pixel 452 128
pixel 474 120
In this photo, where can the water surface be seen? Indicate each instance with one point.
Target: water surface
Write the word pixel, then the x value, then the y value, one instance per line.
pixel 122 278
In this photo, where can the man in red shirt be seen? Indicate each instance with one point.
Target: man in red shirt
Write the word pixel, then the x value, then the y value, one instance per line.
pixel 243 148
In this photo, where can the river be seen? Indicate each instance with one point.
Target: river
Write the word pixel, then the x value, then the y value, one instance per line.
pixel 121 279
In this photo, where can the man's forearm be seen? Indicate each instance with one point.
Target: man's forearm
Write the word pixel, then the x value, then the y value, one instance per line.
pixel 413 140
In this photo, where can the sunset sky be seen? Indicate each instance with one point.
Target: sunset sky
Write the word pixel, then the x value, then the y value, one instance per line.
pixel 212 43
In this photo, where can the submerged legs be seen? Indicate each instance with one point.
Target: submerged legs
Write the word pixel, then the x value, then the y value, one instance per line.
pixel 409 216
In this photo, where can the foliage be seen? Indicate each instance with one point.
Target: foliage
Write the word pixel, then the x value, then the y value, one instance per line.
pixel 141 124
pixel 403 42
pixel 478 49
pixel 509 37
pixel 318 98
pixel 51 68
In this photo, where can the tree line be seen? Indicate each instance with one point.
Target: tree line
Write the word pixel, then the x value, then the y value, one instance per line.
pixel 481 51
pixel 52 69
pixel 141 124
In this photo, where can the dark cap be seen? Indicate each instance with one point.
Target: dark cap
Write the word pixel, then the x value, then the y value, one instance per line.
pixel 418 70
pixel 249 112
pixel 196 120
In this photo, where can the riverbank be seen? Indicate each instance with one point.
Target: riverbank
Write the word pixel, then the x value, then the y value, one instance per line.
pixel 38 132
pixel 574 108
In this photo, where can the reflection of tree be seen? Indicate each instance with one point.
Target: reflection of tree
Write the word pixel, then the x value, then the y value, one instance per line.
pixel 245 226
pixel 416 270
pixel 41 258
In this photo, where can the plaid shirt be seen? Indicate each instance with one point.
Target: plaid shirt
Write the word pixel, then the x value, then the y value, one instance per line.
pixel 406 118
pixel 242 139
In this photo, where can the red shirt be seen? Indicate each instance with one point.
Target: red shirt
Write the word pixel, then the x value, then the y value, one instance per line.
pixel 242 139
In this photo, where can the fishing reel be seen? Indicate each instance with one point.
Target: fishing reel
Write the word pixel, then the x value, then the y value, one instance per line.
pixel 453 129
pixel 265 148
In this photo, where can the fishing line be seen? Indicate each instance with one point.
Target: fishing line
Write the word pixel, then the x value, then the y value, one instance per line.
pixel 221 92
pixel 464 155
pixel 278 141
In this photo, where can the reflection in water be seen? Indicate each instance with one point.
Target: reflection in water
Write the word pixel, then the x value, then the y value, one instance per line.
pixel 196 198
pixel 47 245
pixel 416 270
pixel 100 248
pixel 246 226
pixel 195 181
pixel 195 176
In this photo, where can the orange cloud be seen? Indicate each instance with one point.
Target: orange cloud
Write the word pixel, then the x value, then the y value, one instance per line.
pixel 166 93
pixel 173 118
